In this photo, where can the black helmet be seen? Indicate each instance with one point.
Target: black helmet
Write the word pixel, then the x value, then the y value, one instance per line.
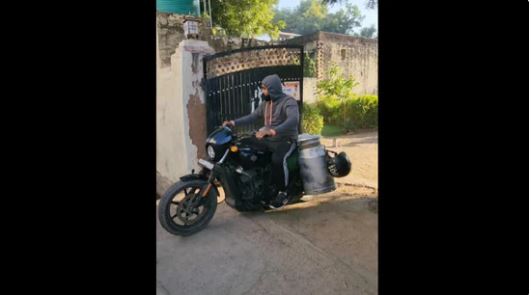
pixel 339 165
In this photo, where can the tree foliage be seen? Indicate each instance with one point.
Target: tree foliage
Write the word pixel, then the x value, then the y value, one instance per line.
pixel 312 15
pixel 368 32
pixel 371 4
pixel 246 18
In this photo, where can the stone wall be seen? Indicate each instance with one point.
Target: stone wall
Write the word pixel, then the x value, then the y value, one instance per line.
pixel 354 55
pixel 169 33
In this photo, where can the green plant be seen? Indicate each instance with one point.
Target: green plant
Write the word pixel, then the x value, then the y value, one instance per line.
pixel 371 111
pixel 341 107
pixel 360 112
pixel 309 66
pixel 336 85
pixel 329 107
pixel 312 120
pixel 332 93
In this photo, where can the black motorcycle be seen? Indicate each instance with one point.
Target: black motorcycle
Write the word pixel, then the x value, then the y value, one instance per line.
pixel 243 170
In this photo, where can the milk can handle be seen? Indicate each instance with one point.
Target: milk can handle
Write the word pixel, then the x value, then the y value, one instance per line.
pixel 328 158
pixel 329 151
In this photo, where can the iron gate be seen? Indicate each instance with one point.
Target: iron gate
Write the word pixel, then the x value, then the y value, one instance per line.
pixel 232 80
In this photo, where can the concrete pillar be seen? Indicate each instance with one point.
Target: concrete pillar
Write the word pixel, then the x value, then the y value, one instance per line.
pixel 181 113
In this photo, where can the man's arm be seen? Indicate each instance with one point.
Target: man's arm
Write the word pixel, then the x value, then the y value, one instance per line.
pixel 258 113
pixel 292 119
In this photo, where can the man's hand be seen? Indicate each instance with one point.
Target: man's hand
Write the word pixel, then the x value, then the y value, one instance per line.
pixel 229 123
pixel 265 132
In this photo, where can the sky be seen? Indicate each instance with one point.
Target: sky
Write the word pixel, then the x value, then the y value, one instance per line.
pixel 371 15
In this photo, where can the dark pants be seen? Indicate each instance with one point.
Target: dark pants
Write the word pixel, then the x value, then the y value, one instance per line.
pixel 279 149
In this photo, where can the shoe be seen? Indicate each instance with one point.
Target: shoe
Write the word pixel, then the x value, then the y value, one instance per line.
pixel 280 200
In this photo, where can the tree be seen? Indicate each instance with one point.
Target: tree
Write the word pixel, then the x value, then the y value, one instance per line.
pixel 344 20
pixel 246 18
pixel 368 32
pixel 371 4
pixel 306 18
pixel 312 15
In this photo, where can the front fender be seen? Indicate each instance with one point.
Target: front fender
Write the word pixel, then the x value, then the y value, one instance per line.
pixel 202 175
pixel 193 176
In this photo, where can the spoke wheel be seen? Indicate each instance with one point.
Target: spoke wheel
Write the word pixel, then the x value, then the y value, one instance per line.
pixel 182 209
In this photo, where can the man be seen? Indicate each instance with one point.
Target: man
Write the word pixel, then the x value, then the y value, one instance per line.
pixel 280 114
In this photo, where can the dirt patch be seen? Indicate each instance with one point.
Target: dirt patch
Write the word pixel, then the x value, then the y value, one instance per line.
pixel 362 149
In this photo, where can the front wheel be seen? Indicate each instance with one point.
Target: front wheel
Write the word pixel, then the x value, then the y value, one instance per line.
pixel 182 209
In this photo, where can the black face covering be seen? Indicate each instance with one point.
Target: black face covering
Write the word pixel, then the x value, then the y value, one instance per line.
pixel 266 98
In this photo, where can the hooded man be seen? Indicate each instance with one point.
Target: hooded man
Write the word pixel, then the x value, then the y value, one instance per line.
pixel 280 114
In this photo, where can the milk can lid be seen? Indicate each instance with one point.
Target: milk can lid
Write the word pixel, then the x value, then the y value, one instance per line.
pixel 305 137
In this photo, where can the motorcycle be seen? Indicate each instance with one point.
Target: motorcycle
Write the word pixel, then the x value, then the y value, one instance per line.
pixel 243 171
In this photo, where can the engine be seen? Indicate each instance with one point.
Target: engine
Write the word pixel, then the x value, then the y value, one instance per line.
pixel 245 188
pixel 252 183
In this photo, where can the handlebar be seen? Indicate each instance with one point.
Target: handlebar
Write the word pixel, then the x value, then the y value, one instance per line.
pixel 251 133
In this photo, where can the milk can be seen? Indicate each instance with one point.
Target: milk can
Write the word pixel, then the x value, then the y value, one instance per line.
pixel 313 165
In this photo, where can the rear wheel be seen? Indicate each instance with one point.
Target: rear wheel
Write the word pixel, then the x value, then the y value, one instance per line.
pixel 182 209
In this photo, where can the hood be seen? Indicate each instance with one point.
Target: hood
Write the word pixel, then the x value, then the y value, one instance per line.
pixel 274 85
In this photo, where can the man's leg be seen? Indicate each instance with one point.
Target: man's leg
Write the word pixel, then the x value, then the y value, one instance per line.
pixel 277 164
pixel 280 150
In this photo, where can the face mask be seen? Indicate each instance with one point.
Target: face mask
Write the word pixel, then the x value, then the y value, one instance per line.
pixel 266 98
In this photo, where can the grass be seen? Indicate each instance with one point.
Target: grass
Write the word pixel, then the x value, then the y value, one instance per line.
pixel 331 130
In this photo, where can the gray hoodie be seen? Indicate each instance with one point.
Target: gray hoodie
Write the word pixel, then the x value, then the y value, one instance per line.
pixel 284 110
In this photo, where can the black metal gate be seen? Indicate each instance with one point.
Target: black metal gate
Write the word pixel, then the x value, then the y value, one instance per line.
pixel 232 79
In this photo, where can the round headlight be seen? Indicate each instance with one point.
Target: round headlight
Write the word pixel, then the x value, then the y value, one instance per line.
pixel 211 152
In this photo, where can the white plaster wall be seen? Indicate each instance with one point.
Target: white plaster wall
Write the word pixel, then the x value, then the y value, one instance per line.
pixel 309 90
pixel 176 155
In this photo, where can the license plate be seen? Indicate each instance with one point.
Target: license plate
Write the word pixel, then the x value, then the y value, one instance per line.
pixel 206 164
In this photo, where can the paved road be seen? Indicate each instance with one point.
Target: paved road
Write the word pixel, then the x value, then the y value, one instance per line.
pixel 324 245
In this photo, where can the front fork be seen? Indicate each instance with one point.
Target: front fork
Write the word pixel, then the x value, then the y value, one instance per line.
pixel 210 180
pixel 211 176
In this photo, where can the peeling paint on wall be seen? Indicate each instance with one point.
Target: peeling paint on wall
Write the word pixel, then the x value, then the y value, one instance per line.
pixel 197 122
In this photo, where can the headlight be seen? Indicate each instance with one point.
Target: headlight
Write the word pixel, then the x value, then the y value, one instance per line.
pixel 211 152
